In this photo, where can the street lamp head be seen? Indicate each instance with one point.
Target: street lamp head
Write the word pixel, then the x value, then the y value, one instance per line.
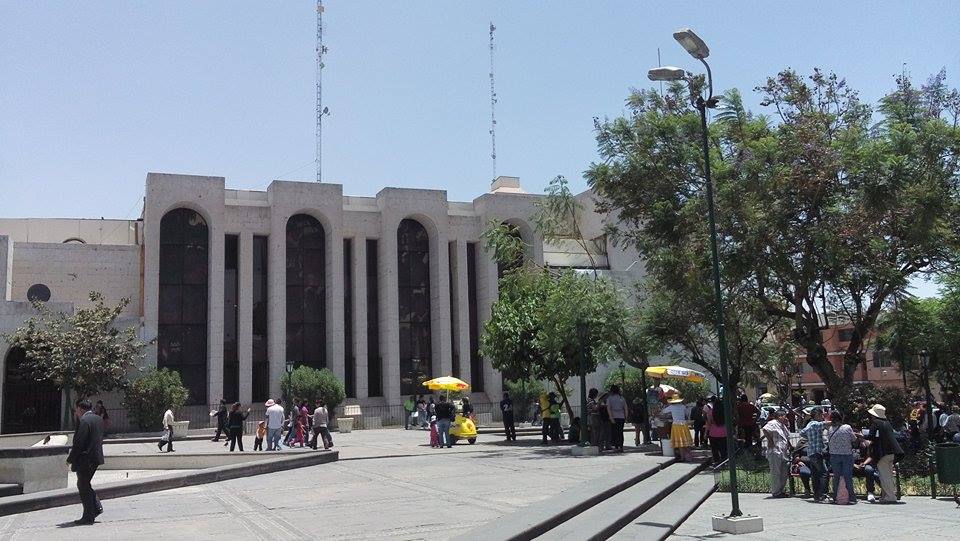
pixel 666 73
pixel 692 43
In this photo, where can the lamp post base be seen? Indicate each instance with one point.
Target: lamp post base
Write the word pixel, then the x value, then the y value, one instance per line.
pixel 737 525
pixel 589 450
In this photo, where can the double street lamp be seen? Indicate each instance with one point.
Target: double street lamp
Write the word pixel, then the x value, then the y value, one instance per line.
pixel 699 50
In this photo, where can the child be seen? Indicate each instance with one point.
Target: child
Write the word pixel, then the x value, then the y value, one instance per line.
pixel 434 434
pixel 300 437
pixel 261 434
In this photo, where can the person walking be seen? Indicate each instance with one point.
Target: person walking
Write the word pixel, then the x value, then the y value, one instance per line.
pixel 234 425
pixel 618 411
pixel 101 410
pixel 445 413
pixel 716 429
pixel 506 413
pixel 221 415
pixel 274 420
pixel 747 415
pixel 409 408
pixel 423 416
pixel 778 452
pixel 699 423
pixel 841 443
pixel 167 439
pixel 816 451
pixel 86 455
pixel 320 421
pixel 593 417
pixel 885 450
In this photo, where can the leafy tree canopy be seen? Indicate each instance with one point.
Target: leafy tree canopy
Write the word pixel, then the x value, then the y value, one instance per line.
pixel 148 397
pixel 825 205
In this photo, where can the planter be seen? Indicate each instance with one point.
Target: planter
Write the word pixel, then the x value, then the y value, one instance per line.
pixel 345 424
pixel 180 429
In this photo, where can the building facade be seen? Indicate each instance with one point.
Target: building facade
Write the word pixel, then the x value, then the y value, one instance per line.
pixel 232 285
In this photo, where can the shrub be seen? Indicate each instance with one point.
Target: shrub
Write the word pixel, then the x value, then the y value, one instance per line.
pixel 149 396
pixel 306 383
pixel 894 399
pixel 524 394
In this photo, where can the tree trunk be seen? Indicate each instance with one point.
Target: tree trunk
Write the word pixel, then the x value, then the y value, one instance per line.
pixel 67 421
pixel 563 394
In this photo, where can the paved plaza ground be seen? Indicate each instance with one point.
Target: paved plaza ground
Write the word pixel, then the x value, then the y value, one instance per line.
pixel 388 484
pixel 917 518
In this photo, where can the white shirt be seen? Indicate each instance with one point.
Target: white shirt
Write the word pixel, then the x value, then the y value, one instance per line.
pixel 275 416
pixel 677 411
pixel 168 418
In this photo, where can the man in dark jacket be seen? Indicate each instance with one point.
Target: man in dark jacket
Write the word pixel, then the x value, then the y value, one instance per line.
pixel 445 413
pixel 221 415
pixel 506 410
pixel 885 450
pixel 86 455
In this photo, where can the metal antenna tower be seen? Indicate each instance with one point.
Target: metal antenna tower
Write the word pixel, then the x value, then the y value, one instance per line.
pixel 493 109
pixel 321 110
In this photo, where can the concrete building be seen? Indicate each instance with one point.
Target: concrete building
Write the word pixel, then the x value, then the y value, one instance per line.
pixel 232 285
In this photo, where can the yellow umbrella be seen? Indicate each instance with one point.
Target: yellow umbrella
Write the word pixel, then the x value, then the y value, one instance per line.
pixel 677 372
pixel 446 383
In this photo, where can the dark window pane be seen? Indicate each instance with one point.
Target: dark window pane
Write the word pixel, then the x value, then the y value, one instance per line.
pixel 413 262
pixel 306 277
pixel 313 305
pixel 294 342
pixel 294 304
pixel 194 302
pixel 171 263
pixel 169 305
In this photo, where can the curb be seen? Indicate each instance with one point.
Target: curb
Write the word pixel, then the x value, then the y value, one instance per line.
pixel 68 496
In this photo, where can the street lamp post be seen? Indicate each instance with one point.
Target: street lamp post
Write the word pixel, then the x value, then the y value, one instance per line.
pixel 699 50
pixel 925 356
pixel 289 368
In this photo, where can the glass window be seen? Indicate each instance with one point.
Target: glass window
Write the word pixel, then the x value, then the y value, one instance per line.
pixel 306 291
pixel 182 303
pixel 476 363
pixel 261 368
pixel 374 361
pixel 350 363
pixel 413 266
pixel 231 300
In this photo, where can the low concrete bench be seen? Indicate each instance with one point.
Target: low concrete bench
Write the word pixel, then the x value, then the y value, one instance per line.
pixel 34 468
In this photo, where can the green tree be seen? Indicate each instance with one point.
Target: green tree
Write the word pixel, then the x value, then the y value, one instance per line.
pixel 524 394
pixel 149 396
pixel 307 383
pixel 83 353
pixel 825 205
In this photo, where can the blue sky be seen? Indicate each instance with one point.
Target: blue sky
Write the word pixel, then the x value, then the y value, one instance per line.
pixel 94 95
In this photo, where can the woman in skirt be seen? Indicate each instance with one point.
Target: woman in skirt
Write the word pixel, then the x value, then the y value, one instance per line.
pixel 680 437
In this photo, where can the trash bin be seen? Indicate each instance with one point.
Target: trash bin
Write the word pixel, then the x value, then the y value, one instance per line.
pixel 948 463
pixel 666 447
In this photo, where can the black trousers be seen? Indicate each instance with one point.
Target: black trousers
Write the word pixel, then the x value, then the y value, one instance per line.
pixel 236 437
pixel 617 436
pixel 818 473
pixel 220 429
pixel 508 426
pixel 718 448
pixel 169 442
pixel 323 433
pixel 88 496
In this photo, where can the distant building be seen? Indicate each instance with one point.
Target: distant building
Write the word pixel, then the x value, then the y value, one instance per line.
pixel 232 284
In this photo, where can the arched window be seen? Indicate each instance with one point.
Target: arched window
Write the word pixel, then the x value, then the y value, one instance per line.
pixel 182 317
pixel 306 292
pixel 28 405
pixel 413 276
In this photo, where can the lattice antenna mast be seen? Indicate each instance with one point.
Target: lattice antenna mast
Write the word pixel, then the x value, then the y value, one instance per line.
pixel 493 108
pixel 321 110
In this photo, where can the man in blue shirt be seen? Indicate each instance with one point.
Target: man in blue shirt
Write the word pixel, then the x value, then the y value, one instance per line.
pixel 813 434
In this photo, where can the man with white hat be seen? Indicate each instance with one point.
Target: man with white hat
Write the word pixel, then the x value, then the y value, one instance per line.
pixel 274 416
pixel 884 450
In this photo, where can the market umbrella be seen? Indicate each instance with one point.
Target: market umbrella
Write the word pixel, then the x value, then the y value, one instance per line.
pixel 446 383
pixel 677 372
pixel 765 396
pixel 668 390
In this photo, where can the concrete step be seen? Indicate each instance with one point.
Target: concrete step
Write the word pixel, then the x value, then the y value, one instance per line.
pixel 537 518
pixel 8 489
pixel 616 511
pixel 658 522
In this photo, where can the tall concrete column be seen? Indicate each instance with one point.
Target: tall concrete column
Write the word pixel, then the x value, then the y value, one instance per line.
pixel 440 307
pixel 359 296
pixel 245 318
pixel 461 318
pixel 215 315
pixel 487 295
pixel 277 302
pixel 334 324
pixel 389 314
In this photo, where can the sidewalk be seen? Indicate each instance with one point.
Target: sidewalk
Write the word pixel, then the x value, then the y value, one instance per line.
pixel 917 518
